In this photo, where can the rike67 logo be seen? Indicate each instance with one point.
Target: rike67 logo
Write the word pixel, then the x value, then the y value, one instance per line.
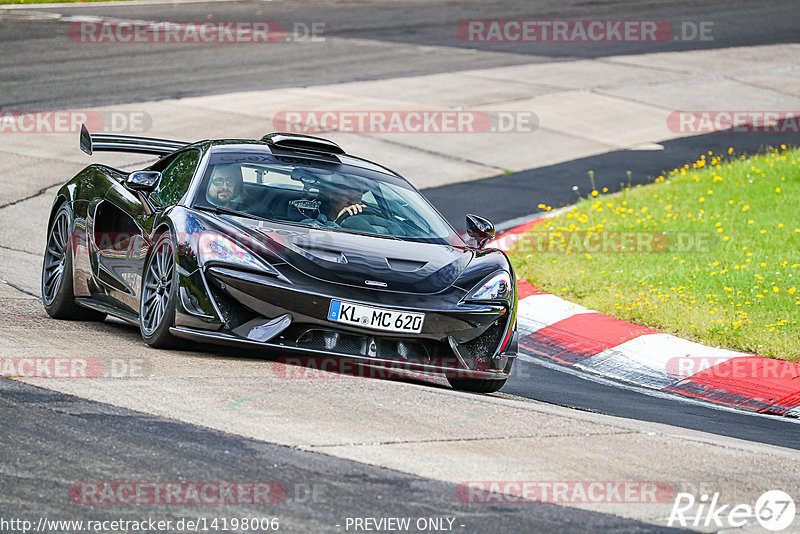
pixel 774 510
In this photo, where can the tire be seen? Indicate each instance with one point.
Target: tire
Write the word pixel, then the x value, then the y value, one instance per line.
pixel 158 295
pixel 477 385
pixel 58 295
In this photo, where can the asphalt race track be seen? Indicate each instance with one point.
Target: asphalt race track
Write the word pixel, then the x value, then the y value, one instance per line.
pixel 91 441
pixel 51 440
pixel 363 42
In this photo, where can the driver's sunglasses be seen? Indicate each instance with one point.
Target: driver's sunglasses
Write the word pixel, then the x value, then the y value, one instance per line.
pixel 219 180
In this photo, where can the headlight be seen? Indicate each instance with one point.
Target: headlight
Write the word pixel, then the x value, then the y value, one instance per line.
pixel 214 247
pixel 494 287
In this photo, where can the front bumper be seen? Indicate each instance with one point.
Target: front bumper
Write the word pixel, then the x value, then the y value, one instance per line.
pixel 451 369
pixel 250 309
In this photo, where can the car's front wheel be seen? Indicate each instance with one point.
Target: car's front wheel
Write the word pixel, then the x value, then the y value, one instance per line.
pixel 159 290
pixel 58 296
pixel 477 385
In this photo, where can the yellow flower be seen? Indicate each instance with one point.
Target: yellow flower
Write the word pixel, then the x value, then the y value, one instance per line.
pixel 746 207
pixel 595 193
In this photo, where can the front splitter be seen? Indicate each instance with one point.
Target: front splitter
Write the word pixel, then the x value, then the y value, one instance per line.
pixel 219 338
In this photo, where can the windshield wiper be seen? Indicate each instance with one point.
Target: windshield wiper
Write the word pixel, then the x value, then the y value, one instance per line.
pixel 358 232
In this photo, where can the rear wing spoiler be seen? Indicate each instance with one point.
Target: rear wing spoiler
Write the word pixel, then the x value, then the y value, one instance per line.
pixel 123 143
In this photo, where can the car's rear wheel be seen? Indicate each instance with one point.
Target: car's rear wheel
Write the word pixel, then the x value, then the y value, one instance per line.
pixel 159 290
pixel 477 385
pixel 58 296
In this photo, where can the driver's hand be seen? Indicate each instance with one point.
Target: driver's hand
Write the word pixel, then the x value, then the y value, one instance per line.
pixel 351 210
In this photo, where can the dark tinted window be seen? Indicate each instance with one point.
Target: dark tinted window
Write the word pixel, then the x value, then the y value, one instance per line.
pixel 320 194
pixel 176 177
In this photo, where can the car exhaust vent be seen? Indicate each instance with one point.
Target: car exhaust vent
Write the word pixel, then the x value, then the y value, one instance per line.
pixel 334 256
pixel 405 266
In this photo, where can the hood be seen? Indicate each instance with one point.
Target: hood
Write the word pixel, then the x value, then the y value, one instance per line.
pixel 365 261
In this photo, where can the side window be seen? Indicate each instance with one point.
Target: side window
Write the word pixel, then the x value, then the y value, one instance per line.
pixel 369 199
pixel 176 177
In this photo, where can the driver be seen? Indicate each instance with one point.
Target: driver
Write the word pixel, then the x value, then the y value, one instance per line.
pixel 226 187
pixel 342 200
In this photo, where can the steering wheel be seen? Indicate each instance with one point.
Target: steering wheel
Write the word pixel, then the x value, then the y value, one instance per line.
pixel 366 210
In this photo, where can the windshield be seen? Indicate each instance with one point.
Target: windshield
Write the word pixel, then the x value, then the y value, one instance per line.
pixel 318 194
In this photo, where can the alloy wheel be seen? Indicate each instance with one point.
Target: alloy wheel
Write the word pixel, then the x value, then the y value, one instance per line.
pixel 157 287
pixel 55 257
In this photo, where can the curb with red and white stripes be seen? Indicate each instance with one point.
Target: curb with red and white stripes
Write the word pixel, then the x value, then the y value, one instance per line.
pixel 574 335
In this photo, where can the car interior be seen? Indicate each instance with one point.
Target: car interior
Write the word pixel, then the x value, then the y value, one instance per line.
pixel 294 194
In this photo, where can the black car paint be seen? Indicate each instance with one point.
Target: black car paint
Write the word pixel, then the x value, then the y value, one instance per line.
pixel 216 300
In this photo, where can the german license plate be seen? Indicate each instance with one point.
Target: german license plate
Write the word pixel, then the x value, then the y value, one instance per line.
pixel 378 318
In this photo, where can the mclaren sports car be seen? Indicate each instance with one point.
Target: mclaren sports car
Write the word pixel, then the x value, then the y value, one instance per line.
pixel 287 244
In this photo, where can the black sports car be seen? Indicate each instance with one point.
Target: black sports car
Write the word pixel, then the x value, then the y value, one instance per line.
pixel 286 243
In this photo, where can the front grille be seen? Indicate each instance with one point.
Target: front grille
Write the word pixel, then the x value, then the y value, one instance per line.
pixel 401 350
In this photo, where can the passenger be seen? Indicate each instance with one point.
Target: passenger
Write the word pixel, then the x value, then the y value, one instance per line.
pixel 226 187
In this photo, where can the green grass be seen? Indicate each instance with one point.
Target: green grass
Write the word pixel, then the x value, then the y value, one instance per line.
pixel 726 266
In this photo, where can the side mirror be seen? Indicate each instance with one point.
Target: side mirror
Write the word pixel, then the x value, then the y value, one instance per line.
pixel 142 180
pixel 480 229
